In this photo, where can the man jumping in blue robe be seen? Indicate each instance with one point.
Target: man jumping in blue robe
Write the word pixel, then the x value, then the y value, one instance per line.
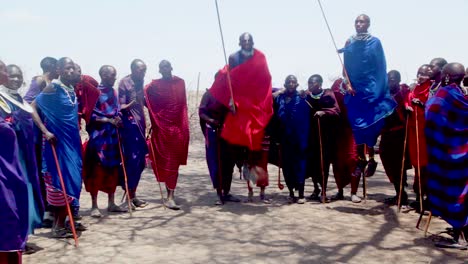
pixel 368 99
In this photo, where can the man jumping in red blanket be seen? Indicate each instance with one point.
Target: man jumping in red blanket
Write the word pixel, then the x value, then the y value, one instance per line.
pixel 253 101
pixel 167 105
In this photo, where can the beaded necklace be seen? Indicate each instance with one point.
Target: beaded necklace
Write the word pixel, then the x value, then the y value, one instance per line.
pixel 70 91
pixel 317 96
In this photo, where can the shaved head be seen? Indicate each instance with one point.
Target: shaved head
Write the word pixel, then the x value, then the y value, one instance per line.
pixel 245 35
pixel 165 68
pixel 138 68
pixel 105 69
pixel 365 17
pixel 164 63
pixel 362 23
pixel 395 74
pixel 137 63
pixel 439 62
pixel 246 42
pixel 453 73
pixel 108 75
pixel 15 77
pixel 394 79
pixel 290 83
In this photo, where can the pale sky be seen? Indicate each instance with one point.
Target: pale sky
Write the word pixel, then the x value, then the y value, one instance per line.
pixel 292 34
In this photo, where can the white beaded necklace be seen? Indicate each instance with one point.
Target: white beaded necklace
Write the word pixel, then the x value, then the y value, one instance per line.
pixel 67 90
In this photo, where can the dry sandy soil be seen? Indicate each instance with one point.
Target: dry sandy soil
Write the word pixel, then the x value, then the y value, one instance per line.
pixel 338 232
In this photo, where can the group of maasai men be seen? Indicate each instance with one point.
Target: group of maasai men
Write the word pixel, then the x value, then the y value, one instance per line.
pixel 246 123
pixel 44 161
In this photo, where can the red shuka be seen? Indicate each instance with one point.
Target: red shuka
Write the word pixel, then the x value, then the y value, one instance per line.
pixel 421 92
pixel 167 104
pixel 345 159
pixel 87 95
pixel 251 85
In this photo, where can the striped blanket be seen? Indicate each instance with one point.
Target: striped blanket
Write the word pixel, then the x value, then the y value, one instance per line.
pixel 447 146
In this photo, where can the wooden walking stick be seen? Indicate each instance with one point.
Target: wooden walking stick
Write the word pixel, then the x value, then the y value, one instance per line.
pixel 64 191
pixel 231 102
pixel 153 148
pixel 418 167
pixel 280 185
pixel 403 165
pixel 364 180
pixel 198 88
pixel 324 194
pixel 156 171
pixel 124 173
pixel 349 87
pixel 426 227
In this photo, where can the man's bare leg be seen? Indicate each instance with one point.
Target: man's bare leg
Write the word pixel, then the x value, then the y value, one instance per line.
pixel 94 206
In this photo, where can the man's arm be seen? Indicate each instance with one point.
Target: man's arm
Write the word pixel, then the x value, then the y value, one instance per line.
pixel 37 119
pixel 123 96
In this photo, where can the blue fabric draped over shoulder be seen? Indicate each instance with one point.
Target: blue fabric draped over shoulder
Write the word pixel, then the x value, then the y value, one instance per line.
pixel 60 115
pixel 447 146
pixel 367 70
pixel 294 121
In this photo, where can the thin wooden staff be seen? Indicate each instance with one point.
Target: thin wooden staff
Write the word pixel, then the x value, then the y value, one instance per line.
pixel 334 44
pixel 324 194
pixel 403 165
pixel 418 165
pixel 64 191
pixel 280 185
pixel 231 103
pixel 124 173
pixel 153 148
pixel 156 170
pixel 364 180
pixel 198 88
pixel 426 227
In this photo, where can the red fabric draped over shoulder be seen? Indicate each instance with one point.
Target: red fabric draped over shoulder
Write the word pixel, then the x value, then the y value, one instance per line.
pixel 167 103
pixel 421 92
pixel 251 85
pixel 87 95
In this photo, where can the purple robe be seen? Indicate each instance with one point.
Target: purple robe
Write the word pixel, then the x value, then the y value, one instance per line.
pixel 133 132
pixel 13 192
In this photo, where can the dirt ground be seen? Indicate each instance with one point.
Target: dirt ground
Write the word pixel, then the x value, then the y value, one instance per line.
pixel 337 232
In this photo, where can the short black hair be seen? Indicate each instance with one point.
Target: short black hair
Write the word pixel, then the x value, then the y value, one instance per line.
pixel 104 68
pixel 62 61
pixel 48 64
pixel 366 17
pixel 316 76
pixel 134 63
pixel 396 73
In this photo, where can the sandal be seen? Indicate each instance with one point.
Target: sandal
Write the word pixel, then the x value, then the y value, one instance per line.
pixel 371 168
pixel 61 233
pixel 116 209
pixel 95 213
pixel 171 204
pixel 139 203
pixel 78 227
